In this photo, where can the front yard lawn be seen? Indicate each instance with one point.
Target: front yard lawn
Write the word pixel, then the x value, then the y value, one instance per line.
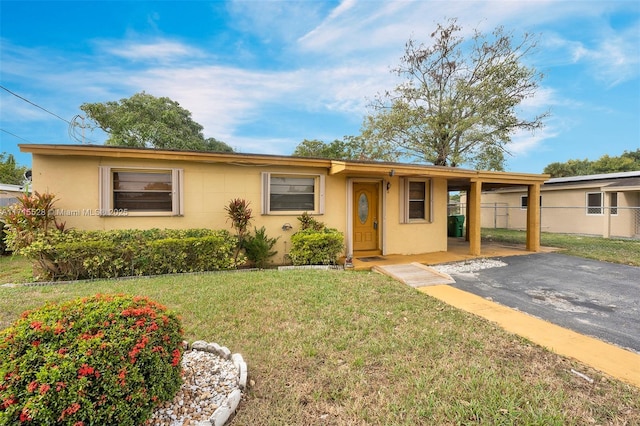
pixel 616 250
pixel 331 347
pixel 15 269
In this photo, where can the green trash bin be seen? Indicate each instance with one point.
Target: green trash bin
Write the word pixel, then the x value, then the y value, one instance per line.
pixel 455 226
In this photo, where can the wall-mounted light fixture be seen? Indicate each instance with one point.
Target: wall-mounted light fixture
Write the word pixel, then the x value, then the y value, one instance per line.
pixel 287 227
pixel 392 173
pixel 388 185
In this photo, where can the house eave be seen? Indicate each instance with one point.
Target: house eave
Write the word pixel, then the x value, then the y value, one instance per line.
pixel 457 178
pixel 172 155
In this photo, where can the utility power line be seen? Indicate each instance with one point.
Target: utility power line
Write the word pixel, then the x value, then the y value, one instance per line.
pixel 35 105
pixel 14 135
pixel 72 124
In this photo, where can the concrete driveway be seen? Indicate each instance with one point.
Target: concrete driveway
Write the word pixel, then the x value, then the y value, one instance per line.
pixel 598 299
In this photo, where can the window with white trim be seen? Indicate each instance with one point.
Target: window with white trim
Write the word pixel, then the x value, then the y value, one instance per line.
pixel 594 203
pixel 416 203
pixel 524 202
pixel 613 203
pixel 286 193
pixel 138 191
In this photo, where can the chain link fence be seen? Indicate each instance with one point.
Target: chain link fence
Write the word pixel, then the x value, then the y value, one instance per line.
pixel 607 222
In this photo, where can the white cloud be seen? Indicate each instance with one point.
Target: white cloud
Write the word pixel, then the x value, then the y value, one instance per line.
pixel 159 50
pixel 330 59
pixel 525 143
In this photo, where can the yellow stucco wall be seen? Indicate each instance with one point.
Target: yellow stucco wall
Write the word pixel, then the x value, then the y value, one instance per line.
pixel 208 188
pixel 416 237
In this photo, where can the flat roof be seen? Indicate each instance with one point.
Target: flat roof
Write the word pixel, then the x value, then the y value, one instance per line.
pixel 603 176
pixel 457 177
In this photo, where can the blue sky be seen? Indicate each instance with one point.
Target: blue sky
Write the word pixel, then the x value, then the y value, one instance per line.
pixel 264 75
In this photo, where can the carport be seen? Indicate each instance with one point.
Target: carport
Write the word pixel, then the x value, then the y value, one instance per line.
pixel 485 180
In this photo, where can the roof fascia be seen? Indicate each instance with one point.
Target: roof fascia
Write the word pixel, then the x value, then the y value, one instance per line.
pixel 511 178
pixel 398 169
pixel 621 189
pixel 194 156
pixel 334 166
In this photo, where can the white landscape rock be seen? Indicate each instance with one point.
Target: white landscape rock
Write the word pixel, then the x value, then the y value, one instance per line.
pixel 213 380
pixel 469 266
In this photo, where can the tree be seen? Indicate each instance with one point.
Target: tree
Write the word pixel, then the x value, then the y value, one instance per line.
pixel 351 148
pixel 145 121
pixel 213 144
pixel 458 102
pixel 335 150
pixel 627 162
pixel 10 172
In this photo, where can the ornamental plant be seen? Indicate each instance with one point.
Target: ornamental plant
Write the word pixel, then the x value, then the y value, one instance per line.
pixel 258 247
pixel 240 214
pixel 311 247
pixel 31 216
pixel 102 360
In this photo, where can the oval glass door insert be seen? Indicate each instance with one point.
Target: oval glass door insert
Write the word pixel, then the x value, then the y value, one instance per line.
pixel 363 208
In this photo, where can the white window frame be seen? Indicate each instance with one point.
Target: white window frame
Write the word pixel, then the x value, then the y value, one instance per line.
pixel 405 200
pixel 599 207
pixel 526 197
pixel 318 193
pixel 106 206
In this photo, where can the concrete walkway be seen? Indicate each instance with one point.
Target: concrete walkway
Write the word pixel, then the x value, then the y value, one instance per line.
pixel 414 274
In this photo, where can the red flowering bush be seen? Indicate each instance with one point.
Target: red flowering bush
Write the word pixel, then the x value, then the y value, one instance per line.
pixel 107 359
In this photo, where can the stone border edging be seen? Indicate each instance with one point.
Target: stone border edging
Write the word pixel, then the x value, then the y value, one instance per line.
pixel 222 414
pixel 319 267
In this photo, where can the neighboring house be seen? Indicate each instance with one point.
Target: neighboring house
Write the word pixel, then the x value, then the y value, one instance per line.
pixel 382 208
pixel 8 194
pixel 604 204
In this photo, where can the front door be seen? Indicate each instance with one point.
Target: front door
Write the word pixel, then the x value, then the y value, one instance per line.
pixel 366 222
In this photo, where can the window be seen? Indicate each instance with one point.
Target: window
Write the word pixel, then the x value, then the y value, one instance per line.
pixel 292 193
pixel 524 202
pixel 140 192
pixel 614 203
pixel 594 203
pixel 416 200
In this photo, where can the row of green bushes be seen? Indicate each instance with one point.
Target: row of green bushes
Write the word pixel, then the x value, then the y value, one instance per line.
pixel 72 255
pixel 61 254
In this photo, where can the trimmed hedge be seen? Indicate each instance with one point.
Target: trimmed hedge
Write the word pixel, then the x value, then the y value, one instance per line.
pixel 316 247
pixel 75 255
pixel 102 360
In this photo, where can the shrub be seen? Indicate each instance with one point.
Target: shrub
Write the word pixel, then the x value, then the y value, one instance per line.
pixel 309 222
pixel 105 359
pixel 240 214
pixel 311 247
pixel 3 236
pixel 258 247
pixel 108 254
pixel 32 216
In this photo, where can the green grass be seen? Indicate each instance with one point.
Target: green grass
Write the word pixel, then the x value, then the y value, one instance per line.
pixel 356 348
pixel 15 269
pixel 623 251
